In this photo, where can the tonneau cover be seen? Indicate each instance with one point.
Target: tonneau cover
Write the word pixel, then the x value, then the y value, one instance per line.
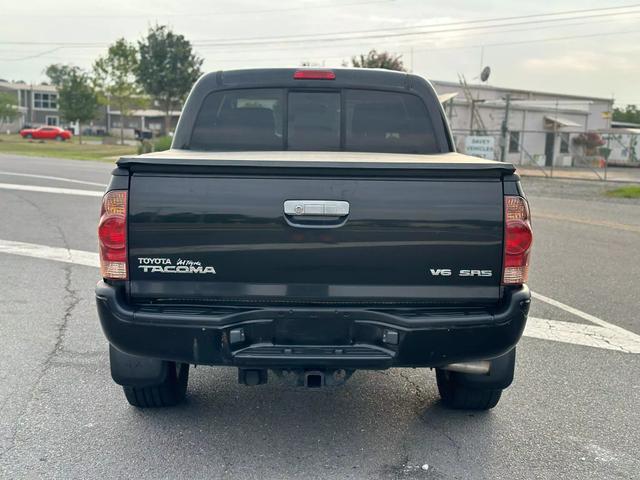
pixel 335 159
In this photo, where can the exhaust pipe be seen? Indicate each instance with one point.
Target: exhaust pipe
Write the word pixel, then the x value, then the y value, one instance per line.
pixel 480 367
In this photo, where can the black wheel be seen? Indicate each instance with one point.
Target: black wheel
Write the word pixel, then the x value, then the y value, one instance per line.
pixel 28 136
pixel 59 138
pixel 462 397
pixel 166 394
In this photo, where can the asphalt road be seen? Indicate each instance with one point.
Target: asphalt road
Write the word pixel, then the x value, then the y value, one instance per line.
pixel 573 411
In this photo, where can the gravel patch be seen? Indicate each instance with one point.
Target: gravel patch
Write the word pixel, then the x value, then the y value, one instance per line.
pixel 575 189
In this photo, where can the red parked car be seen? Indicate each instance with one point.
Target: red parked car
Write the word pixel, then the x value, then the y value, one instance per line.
pixel 46 133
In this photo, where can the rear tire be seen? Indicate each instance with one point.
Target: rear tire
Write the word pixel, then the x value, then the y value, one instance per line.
pixel 461 397
pixel 168 393
pixel 28 136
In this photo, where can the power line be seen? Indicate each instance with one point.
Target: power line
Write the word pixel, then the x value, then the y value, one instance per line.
pixel 538 40
pixel 410 43
pixel 362 39
pixel 332 36
pixel 457 47
pixel 450 24
pixel 29 57
pixel 317 39
pixel 454 47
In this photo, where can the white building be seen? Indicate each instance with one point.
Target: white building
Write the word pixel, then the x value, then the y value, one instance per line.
pixel 541 125
pixel 624 142
pixel 37 105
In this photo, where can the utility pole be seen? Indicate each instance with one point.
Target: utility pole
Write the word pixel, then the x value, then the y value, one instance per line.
pixel 505 129
pixel 30 102
pixel 411 66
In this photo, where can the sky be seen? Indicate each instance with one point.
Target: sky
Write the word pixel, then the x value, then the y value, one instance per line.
pixel 593 49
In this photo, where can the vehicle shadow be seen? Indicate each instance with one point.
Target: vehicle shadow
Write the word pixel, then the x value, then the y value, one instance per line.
pixel 387 424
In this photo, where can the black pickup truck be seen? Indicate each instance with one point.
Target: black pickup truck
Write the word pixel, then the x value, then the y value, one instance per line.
pixel 310 223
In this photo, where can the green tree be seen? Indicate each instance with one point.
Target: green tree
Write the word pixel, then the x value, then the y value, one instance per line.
pixel 167 69
pixel 8 108
pixel 77 99
pixel 630 114
pixel 58 73
pixel 374 59
pixel 115 79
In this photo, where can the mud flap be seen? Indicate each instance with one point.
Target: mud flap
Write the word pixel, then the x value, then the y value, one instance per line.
pixel 133 371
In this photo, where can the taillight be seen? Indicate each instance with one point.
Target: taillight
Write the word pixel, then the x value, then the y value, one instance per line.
pixel 518 237
pixel 112 235
pixel 314 75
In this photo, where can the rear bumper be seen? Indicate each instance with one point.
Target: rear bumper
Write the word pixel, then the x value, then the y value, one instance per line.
pixel 294 337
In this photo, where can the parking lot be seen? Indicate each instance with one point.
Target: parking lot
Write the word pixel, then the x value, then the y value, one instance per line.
pixel 573 411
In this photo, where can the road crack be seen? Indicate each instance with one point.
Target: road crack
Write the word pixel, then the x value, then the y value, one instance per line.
pixel 71 300
pixel 418 389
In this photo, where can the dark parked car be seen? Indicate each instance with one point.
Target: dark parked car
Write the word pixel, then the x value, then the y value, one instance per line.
pixel 143 134
pixel 313 222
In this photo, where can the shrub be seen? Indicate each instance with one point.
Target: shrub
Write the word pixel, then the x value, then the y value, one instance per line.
pixel 145 146
pixel 157 145
pixel 590 141
pixel 162 143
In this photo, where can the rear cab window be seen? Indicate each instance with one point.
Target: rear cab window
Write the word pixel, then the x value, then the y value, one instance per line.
pixel 289 119
pixel 387 122
pixel 249 119
pixel 313 121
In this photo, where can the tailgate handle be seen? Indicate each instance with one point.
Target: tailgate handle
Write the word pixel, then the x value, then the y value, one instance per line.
pixel 316 208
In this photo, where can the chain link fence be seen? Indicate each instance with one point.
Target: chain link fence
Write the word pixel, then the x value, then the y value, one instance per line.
pixel 612 155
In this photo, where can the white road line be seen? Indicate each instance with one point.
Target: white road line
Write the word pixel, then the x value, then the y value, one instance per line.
pixel 47 177
pixel 581 314
pixel 65 191
pixel 604 335
pixel 57 254
pixel 581 334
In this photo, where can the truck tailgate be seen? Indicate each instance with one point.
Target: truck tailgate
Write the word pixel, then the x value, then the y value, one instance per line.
pixel 226 238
